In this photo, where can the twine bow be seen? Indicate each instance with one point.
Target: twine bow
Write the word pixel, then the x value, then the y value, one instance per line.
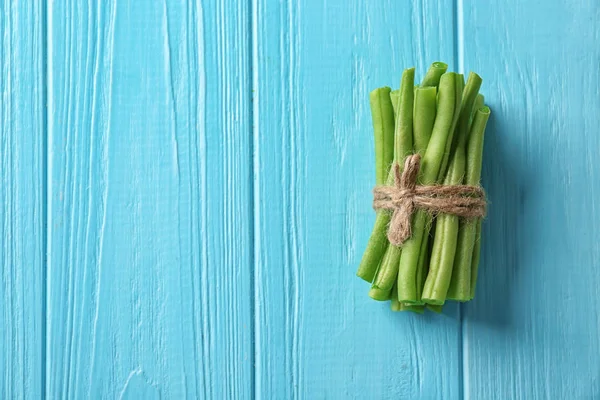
pixel 402 199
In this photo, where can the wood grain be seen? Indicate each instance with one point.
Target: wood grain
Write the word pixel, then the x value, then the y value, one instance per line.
pixel 532 331
pixel 185 197
pixel 150 228
pixel 318 335
pixel 22 200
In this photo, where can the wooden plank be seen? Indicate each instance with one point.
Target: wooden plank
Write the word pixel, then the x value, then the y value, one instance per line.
pixel 150 202
pixel 22 200
pixel 532 330
pixel 318 335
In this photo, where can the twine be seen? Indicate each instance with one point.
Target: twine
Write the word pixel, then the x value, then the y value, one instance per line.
pixel 405 196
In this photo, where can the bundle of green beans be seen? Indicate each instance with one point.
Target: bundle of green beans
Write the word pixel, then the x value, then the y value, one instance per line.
pixel 443 119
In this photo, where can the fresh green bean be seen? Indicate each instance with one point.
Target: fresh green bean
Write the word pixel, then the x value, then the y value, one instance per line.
pixel 395 305
pixel 430 165
pixel 474 162
pixel 388 270
pixel 422 268
pixel 432 159
pixel 460 85
pixel 424 117
pixel 475 146
pixel 479 100
pixel 380 294
pixel 403 140
pixel 464 273
pixel 383 125
pixel 444 243
pixel 383 120
pixel 376 247
pixel 460 284
pixel 395 97
pixel 446 239
pixel 469 95
pixel 433 75
pixel 476 256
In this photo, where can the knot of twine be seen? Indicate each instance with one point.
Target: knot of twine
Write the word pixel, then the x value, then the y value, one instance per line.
pixel 405 196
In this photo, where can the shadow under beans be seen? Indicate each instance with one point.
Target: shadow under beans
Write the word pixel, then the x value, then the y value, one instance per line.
pixel 505 178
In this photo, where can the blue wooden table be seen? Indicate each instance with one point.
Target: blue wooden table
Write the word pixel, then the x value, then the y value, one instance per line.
pixel 185 197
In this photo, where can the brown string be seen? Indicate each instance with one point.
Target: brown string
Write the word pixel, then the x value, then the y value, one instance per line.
pixel 402 198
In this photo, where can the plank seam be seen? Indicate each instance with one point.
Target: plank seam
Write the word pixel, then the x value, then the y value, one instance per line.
pixel 45 33
pixel 460 67
pixel 254 184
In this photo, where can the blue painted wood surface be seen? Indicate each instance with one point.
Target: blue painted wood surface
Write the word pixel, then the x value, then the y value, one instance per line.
pixel 186 196
pixel 533 330
pixel 22 200
pixel 150 221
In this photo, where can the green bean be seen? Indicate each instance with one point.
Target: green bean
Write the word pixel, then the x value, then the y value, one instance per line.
pixel 479 100
pixel 395 97
pixel 422 268
pixel 460 284
pixel 444 243
pixel 383 120
pixel 464 274
pixel 380 294
pixel 433 75
pixel 476 256
pixel 430 165
pixel 383 125
pixel 409 259
pixel 446 239
pixel 469 97
pixel 403 140
pixel 388 270
pixel 397 306
pixel 424 117
pixel 474 162
pixel 432 159
pixel 460 85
